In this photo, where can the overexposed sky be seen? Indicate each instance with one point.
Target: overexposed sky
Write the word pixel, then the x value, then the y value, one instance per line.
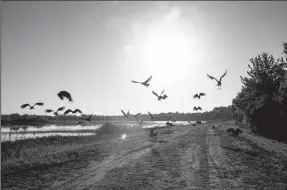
pixel 94 50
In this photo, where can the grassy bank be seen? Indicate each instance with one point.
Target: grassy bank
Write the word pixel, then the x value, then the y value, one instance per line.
pixel 47 151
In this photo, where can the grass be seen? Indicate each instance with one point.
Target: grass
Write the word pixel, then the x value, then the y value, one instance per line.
pixel 46 151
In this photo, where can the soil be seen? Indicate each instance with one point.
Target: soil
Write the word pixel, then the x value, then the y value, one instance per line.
pixel 181 157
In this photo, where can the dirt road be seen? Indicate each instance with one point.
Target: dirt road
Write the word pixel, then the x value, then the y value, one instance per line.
pixel 182 157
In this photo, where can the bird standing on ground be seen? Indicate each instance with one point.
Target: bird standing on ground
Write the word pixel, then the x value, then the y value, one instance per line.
pixel 152 116
pixel 64 94
pixel 55 113
pixel 145 83
pixel 69 110
pixel 126 114
pixel 219 83
pixel 199 95
pixel 197 108
pixel 141 123
pixel 198 122
pixel 167 117
pixel 32 107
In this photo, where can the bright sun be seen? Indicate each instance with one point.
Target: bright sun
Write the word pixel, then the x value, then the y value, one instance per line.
pixel 168 54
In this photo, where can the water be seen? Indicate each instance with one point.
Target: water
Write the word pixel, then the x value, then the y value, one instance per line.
pixel 10 134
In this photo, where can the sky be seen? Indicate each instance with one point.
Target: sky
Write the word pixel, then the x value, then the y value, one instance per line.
pixel 94 49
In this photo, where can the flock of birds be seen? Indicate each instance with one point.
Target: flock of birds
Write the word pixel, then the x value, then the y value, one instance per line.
pixel 161 96
pixel 62 94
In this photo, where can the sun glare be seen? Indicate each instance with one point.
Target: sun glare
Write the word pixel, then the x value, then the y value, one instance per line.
pixel 169 55
pixel 124 136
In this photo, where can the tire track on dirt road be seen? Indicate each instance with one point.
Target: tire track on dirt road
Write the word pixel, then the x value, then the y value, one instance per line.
pixel 97 171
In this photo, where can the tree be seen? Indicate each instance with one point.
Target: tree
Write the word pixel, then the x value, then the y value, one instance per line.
pixel 263 95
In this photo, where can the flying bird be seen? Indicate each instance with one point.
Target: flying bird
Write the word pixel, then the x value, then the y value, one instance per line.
pixel 65 94
pixel 145 83
pixel 71 111
pixel 199 95
pixel 197 108
pixel 152 116
pixel 219 83
pixel 161 96
pixel 32 107
pixel 80 122
pixel 55 113
pixel 152 133
pixel 126 114
pixel 88 119
pixel 136 116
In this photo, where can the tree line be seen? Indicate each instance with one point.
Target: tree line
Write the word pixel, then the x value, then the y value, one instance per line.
pixel 217 113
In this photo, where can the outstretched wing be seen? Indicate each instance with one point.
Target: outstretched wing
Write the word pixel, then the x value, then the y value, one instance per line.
pixel 199 108
pixel 67 111
pixel 154 128
pixel 211 77
pixel 155 94
pixel 60 109
pixel 25 105
pixel 162 92
pixel 90 116
pixel 202 94
pixel 150 114
pixel 147 80
pixel 124 113
pixel 195 96
pixel 48 111
pixel 223 75
pixel 164 97
pixel 135 81
pixel 39 104
pixel 77 110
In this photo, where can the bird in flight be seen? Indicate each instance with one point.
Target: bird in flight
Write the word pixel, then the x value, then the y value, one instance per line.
pixel 126 114
pixel 145 83
pixel 219 83
pixel 88 119
pixel 55 113
pixel 136 116
pixel 32 107
pixel 152 116
pixel 196 108
pixel 80 122
pixel 152 133
pixel 199 95
pixel 69 110
pixel 64 94
pixel 161 96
